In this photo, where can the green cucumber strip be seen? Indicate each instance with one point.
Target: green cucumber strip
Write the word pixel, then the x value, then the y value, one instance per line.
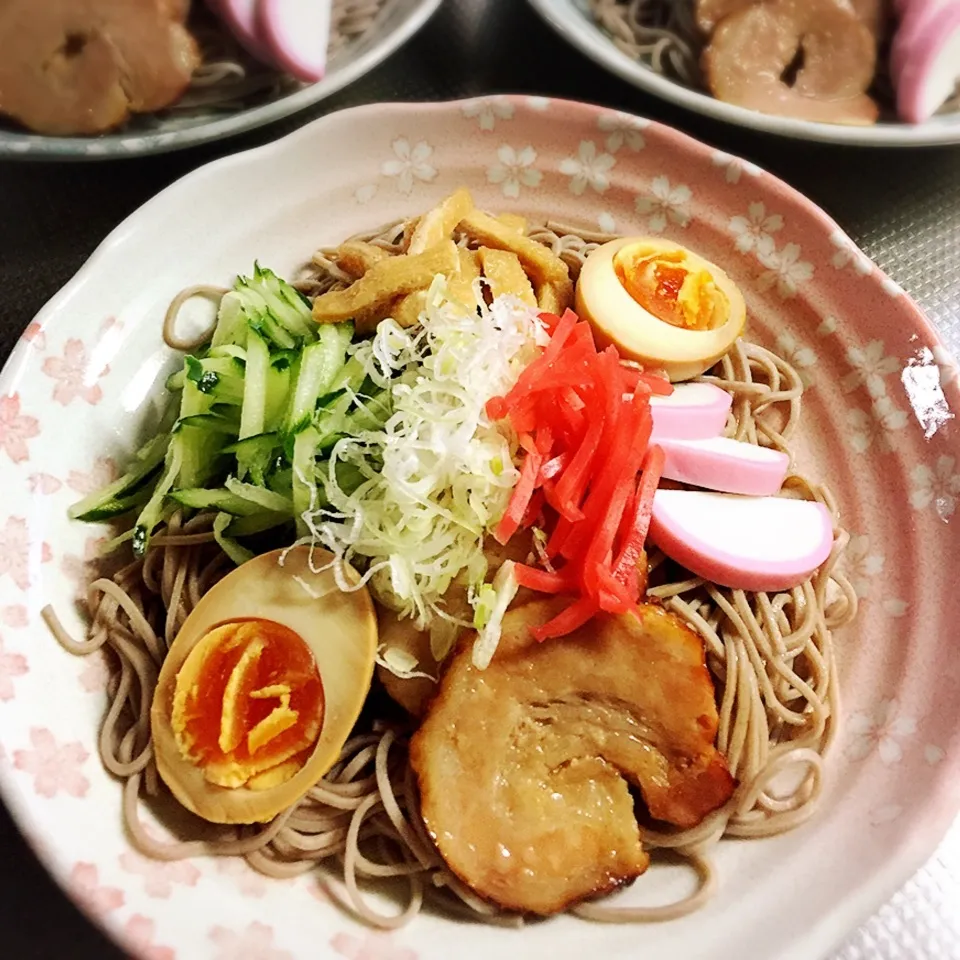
pixel 229 350
pixel 283 301
pixel 146 465
pixel 114 507
pixel 281 480
pixel 351 375
pixel 231 326
pixel 253 411
pixel 278 393
pixel 176 380
pixel 151 513
pixel 237 553
pixel 200 498
pixel 248 526
pixel 257 453
pixel 265 499
pixel 304 475
pixel 210 422
pixel 320 363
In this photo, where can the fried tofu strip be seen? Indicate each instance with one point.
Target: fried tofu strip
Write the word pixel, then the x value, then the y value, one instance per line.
pixel 542 264
pixel 555 297
pixel 407 310
pixel 460 287
pixel 440 222
pixel 505 274
pixel 356 257
pixel 513 221
pixel 386 281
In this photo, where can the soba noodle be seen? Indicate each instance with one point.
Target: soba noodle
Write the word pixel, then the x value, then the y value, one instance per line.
pixel 771 655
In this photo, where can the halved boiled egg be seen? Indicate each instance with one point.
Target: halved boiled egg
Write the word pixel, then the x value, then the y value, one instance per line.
pixel 660 304
pixel 262 687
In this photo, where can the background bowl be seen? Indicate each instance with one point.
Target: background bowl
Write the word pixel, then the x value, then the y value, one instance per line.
pixel 572 21
pixel 160 133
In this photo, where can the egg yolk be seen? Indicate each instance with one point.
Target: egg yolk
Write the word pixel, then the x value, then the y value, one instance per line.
pixel 668 287
pixel 248 704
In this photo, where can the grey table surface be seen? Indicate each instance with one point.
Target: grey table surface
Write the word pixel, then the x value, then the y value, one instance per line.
pixel 902 207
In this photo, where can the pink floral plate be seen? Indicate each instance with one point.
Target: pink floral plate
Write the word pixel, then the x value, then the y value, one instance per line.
pixel 878 424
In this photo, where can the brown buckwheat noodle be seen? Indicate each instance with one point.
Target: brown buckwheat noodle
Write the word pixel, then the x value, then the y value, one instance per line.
pixel 771 655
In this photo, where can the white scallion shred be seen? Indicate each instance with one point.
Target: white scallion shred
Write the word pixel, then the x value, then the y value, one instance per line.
pixel 438 476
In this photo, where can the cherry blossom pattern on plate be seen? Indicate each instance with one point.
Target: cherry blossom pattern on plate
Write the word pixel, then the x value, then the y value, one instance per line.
pixel 35 336
pixel 16 429
pixel 828 326
pixel 895 607
pixel 861 564
pixel 487 111
pixel 253 943
pixel 785 271
pixel 734 167
pixel 74 377
pixel 540 104
pixel 138 935
pixel 44 483
pixel 371 946
pixel 622 130
pixel 103 472
pixel 666 203
pixel 410 163
pixel 848 254
pixel 514 169
pixel 754 232
pixel 882 729
pixel 932 754
pixel 870 366
pixel 80 569
pixel 249 882
pixel 19 553
pixel 589 168
pixel 873 429
pixel 606 221
pixel 801 357
pixel 97 899
pixel 95 675
pixel 15 616
pixel 937 486
pixel 365 193
pixel 12 665
pixel 54 767
pixel 159 876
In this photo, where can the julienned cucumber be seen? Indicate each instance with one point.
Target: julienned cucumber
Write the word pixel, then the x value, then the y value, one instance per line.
pixel 105 503
pixel 253 415
pixel 320 363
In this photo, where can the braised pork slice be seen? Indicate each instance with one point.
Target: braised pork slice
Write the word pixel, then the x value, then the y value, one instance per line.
pixel 810 59
pixel 711 12
pixel 83 66
pixel 524 768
